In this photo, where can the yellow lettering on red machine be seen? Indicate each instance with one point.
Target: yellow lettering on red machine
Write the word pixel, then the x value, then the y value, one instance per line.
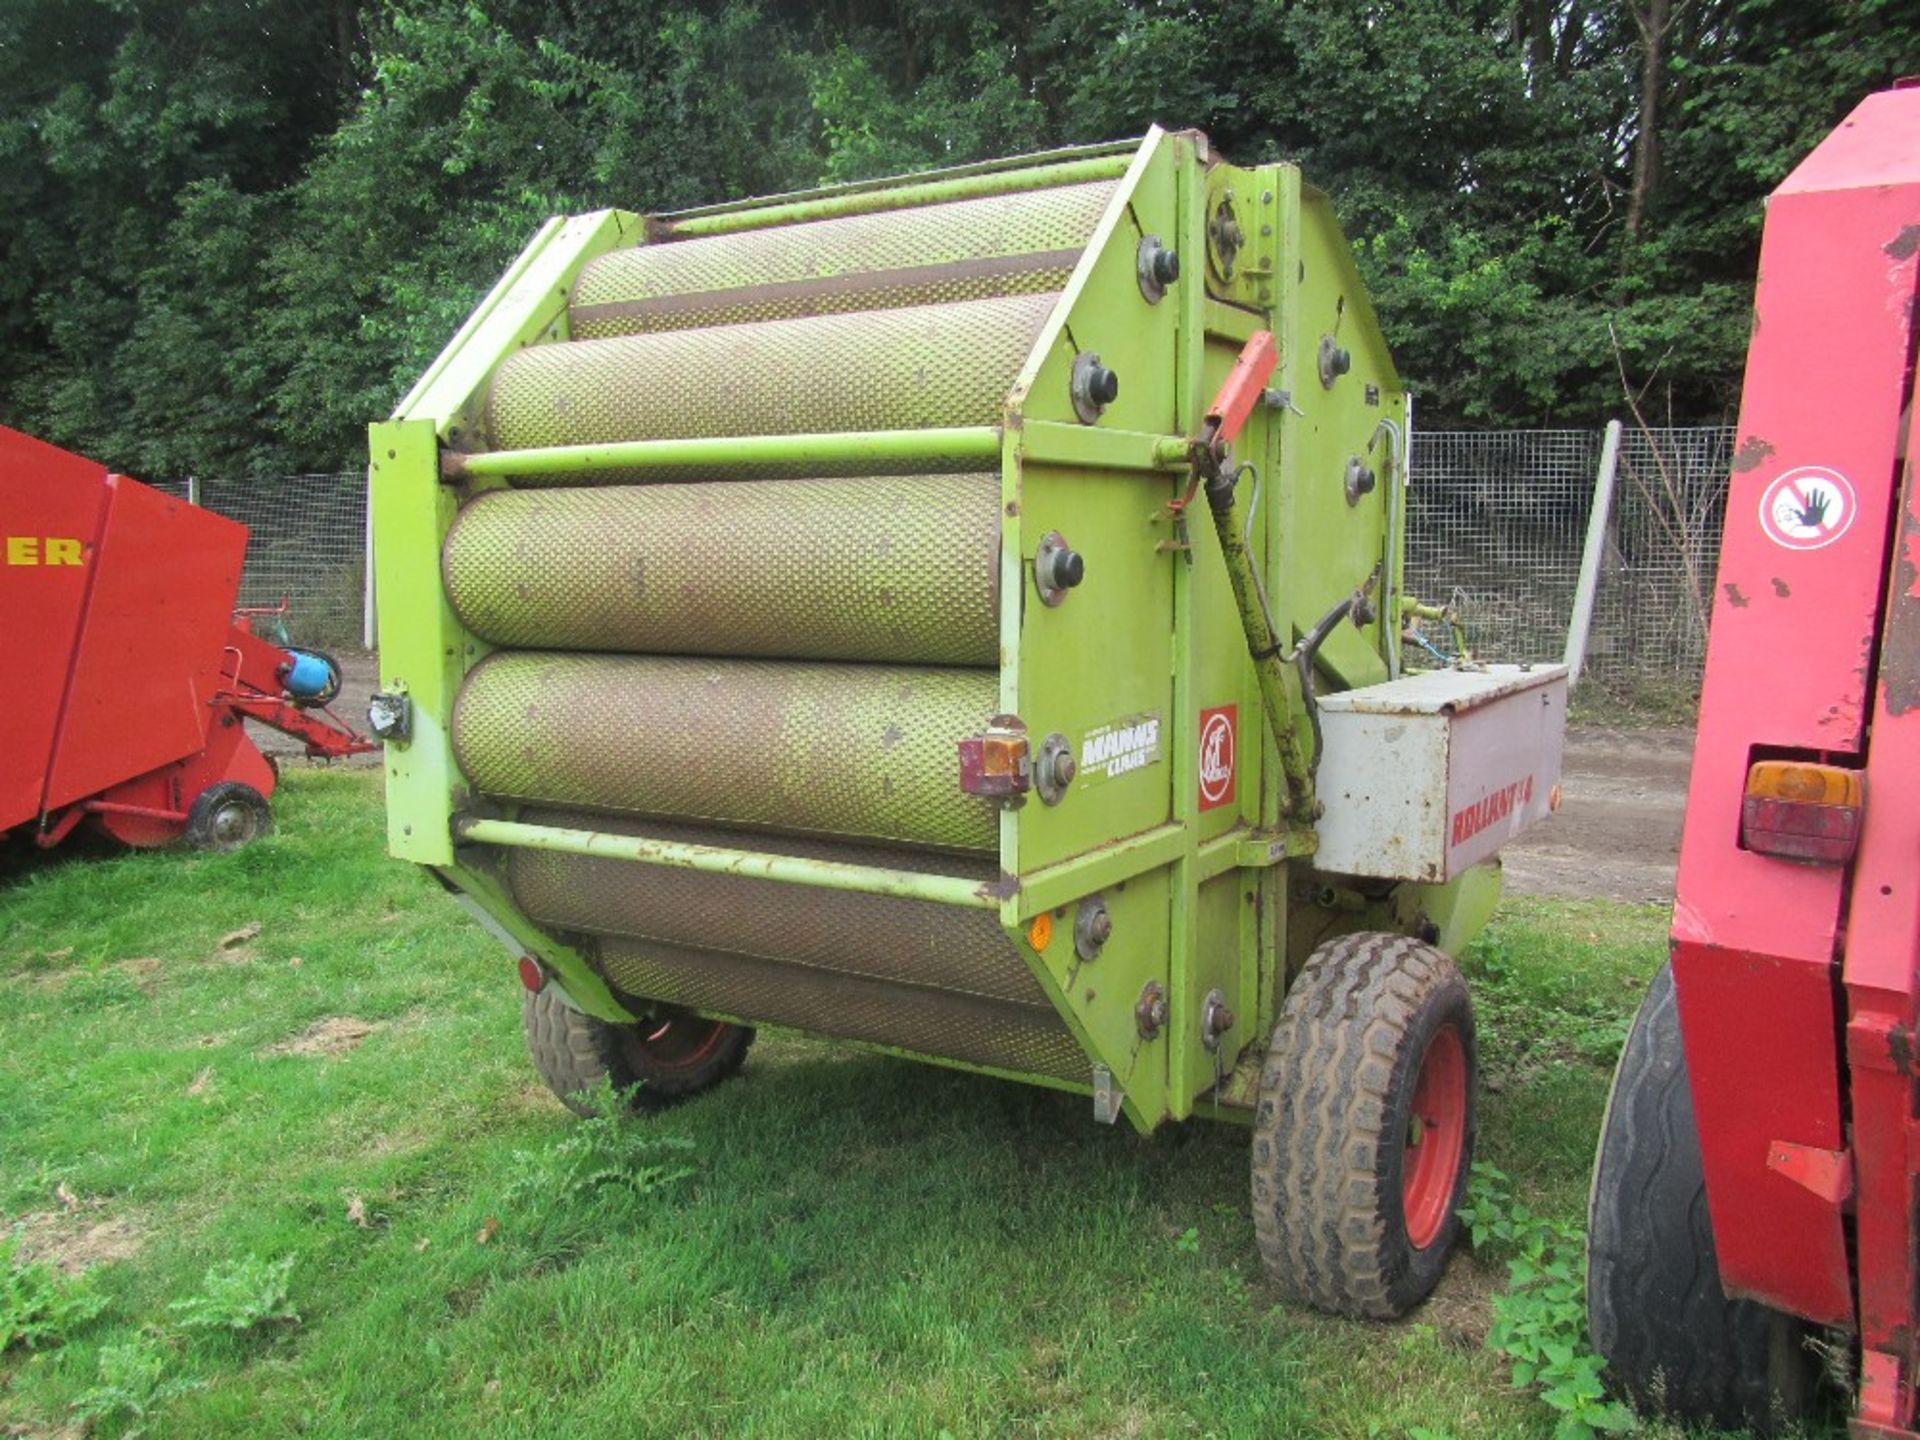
pixel 45 550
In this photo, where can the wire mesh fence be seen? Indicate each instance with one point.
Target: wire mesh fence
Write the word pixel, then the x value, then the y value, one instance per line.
pixel 306 545
pixel 1497 523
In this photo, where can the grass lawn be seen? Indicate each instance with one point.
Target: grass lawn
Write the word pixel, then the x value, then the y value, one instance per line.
pixel 306 1050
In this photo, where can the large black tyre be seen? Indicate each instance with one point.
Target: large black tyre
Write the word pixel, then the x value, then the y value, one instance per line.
pixel 653 1063
pixel 227 815
pixel 1374 1058
pixel 1673 1342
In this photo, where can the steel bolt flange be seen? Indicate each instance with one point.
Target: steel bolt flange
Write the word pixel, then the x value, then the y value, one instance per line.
pixel 1157 267
pixel 1054 769
pixel 1094 386
pixel 1092 928
pixel 1150 1011
pixel 1057 568
pixel 1335 361
pixel 1216 1018
pixel 1360 480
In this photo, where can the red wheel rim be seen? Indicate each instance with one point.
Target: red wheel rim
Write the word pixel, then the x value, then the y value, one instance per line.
pixel 679 1042
pixel 1436 1138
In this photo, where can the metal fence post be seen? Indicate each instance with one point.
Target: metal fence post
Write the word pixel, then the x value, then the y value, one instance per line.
pixel 368 637
pixel 193 489
pixel 1585 591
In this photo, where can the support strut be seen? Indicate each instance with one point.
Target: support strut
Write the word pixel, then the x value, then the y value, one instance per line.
pixel 1240 392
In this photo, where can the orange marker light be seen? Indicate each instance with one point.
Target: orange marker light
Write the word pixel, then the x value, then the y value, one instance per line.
pixel 1040 930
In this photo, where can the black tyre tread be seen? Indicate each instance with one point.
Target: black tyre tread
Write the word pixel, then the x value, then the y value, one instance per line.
pixel 1672 1340
pixel 1323 1214
pixel 574 1052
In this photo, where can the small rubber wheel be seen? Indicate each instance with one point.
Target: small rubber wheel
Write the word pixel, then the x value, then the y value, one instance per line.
pixel 1364 1128
pixel 668 1057
pixel 228 815
pixel 1672 1340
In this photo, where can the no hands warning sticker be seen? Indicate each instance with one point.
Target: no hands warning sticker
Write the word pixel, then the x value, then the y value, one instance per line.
pixel 1807 508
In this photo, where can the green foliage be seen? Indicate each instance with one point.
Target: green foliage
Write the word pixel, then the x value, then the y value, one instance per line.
pixel 230 235
pixel 39 1307
pixel 135 1380
pixel 239 1295
pixel 1540 1321
pixel 612 1155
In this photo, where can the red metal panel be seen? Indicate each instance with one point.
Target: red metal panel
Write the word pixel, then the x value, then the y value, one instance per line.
pixel 1788 664
pixel 1882 974
pixel 51 504
pixel 149 660
pixel 230 754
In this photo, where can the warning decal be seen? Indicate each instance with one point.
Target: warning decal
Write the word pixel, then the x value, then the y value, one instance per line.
pixel 1807 508
pixel 1217 739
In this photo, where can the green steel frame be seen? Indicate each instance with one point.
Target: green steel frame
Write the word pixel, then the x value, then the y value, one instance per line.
pixel 1204 900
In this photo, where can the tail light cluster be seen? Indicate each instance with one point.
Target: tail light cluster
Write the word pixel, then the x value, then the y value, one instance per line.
pixel 1799 811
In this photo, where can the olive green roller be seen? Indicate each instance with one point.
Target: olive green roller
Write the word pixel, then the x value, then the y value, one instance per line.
pixel 830 749
pixel 920 943
pixel 915 369
pixel 1020 1038
pixel 893 568
pixel 963 250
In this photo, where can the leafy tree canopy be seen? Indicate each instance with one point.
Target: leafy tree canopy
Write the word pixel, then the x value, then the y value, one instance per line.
pixel 233 231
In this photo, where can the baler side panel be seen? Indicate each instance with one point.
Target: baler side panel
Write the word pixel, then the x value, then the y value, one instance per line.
pixel 1788 661
pixel 1882 976
pixel 53 501
pixel 1112 698
pixel 1334 544
pixel 152 643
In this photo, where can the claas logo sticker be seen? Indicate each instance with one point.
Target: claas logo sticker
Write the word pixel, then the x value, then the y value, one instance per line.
pixel 45 550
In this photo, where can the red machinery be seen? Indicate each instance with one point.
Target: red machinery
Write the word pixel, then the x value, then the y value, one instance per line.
pixel 126 673
pixel 1784 1035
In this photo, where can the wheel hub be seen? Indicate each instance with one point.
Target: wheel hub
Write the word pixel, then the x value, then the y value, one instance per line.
pixel 233 823
pixel 1436 1137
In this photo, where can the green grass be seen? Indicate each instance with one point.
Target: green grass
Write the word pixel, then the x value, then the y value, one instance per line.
pixel 866 1247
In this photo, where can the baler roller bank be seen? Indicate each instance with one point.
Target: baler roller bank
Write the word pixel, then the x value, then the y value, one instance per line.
pixel 961 615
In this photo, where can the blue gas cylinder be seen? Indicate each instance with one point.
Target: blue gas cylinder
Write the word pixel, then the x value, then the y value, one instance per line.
pixel 309 676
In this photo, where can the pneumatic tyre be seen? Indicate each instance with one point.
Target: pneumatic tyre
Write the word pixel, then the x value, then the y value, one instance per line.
pixel 667 1057
pixel 1672 1340
pixel 1364 1128
pixel 227 815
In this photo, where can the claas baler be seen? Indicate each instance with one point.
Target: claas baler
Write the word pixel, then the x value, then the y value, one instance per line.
pixel 960 615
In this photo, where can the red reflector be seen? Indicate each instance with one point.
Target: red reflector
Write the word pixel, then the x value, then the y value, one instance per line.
pixel 531 975
pixel 1795 830
pixel 996 764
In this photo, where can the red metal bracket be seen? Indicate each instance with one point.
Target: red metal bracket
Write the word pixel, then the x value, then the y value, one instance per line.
pixel 324 739
pixel 1242 389
pixel 1826 1173
pixel 1227 415
pixel 1875 1042
pixel 1886 1399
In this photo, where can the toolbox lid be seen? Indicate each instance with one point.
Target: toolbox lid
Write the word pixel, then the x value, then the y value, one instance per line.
pixel 1440 692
